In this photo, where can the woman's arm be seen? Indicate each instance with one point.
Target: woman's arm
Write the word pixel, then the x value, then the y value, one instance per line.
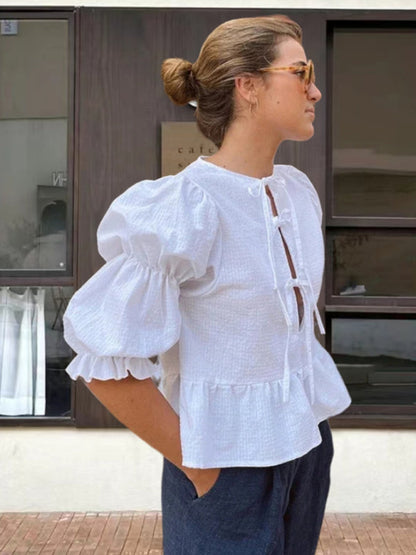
pixel 142 408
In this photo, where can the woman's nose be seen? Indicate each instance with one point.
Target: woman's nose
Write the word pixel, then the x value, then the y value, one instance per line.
pixel 314 93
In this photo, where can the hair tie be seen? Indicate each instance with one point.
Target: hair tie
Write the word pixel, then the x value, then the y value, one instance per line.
pixel 192 80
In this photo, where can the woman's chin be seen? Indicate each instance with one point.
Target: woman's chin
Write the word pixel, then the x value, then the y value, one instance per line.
pixel 304 135
pixel 312 132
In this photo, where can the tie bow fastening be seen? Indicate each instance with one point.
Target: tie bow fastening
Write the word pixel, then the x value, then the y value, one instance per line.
pixel 283 218
pixel 272 224
pixel 297 282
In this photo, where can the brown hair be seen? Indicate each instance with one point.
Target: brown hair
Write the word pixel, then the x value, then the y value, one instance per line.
pixel 237 46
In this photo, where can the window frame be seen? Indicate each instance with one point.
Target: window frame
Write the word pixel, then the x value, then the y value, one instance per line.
pixel 364 24
pixel 53 277
pixel 337 306
pixel 390 303
pixel 44 278
pixel 370 415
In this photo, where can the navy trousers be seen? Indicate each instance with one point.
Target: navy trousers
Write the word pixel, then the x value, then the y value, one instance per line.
pixel 272 510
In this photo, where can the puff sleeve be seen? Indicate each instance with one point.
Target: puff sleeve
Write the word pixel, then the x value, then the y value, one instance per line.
pixel 153 238
pixel 313 195
pixel 311 190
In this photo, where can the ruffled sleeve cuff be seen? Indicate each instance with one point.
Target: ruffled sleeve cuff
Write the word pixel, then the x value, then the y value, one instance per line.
pixel 88 366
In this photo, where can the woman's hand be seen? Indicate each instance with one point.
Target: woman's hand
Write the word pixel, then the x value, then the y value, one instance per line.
pixel 153 420
pixel 203 479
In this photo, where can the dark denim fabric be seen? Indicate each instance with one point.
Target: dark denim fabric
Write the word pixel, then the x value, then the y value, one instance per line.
pixel 273 510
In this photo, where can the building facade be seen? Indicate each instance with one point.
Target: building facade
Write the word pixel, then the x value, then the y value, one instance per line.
pixel 81 112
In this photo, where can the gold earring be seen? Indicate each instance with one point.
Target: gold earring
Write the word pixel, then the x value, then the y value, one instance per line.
pixel 254 106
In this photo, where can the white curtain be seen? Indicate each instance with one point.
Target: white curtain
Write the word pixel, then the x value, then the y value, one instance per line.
pixel 22 352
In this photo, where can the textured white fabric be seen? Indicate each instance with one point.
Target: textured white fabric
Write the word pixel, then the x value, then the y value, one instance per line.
pixel 196 272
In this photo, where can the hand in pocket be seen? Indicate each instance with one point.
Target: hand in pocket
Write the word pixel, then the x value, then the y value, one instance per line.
pixel 203 479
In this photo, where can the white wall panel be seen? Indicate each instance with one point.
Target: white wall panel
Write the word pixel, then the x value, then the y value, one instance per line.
pixel 59 469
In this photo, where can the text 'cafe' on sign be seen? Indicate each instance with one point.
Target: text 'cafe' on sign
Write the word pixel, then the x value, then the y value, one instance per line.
pixel 182 143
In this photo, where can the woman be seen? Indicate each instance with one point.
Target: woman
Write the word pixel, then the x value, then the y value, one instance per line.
pixel 217 270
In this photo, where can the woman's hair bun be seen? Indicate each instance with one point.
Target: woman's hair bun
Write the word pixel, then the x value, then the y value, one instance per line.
pixel 179 80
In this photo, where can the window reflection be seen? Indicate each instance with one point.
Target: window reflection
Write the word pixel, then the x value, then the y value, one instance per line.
pixel 378 264
pixel 33 352
pixel 376 358
pixel 49 247
pixel 374 117
pixel 33 153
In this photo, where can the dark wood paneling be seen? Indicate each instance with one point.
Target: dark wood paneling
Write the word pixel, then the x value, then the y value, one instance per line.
pixel 36 421
pixel 374 421
pixel 89 412
pixel 350 221
pixel 363 309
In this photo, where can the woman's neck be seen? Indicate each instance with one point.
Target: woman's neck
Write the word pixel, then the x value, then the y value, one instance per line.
pixel 246 151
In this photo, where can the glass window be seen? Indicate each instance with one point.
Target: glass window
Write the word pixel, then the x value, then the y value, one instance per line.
pixel 376 358
pixel 374 118
pixel 35 216
pixel 33 146
pixel 34 354
pixel 376 264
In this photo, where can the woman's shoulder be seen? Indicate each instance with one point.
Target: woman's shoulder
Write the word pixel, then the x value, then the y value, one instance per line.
pixel 291 171
pixel 300 178
pixel 163 191
pixel 172 210
pixel 173 199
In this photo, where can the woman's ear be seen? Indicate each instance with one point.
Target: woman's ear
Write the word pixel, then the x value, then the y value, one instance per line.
pixel 246 88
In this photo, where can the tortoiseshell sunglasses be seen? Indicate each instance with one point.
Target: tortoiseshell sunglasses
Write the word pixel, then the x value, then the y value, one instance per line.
pixel 307 71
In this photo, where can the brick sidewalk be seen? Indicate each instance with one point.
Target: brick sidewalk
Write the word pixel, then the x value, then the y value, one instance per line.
pixel 133 533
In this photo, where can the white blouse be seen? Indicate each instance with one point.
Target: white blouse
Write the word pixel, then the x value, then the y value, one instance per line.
pixel 196 272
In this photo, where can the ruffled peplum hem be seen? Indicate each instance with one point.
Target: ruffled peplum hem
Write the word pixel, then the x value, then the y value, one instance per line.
pixel 331 393
pixel 249 425
pixel 89 366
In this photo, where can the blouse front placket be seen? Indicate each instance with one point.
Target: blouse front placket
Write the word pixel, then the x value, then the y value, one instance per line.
pixel 279 225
